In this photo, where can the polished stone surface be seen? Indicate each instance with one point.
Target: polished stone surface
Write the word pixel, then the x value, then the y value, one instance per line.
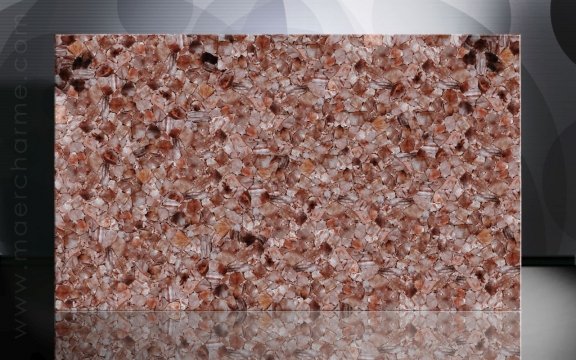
pixel 287 172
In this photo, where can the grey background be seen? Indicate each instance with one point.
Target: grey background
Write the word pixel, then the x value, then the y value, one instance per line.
pixel 547 321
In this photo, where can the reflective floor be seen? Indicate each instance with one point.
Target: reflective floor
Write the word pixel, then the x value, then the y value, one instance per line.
pixel 548 303
pixel 288 335
pixel 548 328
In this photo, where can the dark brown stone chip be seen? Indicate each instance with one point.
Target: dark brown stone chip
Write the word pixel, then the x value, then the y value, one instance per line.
pixel 470 58
pixel 248 239
pixel 78 84
pixel 209 58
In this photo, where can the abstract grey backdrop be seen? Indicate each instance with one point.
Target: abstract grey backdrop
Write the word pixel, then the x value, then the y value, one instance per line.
pixel 26 104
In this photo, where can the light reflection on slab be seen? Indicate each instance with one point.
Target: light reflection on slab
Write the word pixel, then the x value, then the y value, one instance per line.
pixel 288 335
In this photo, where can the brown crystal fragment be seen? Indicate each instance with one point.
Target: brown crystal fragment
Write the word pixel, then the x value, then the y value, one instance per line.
pixel 380 221
pixel 67 39
pixel 248 239
pixel 480 44
pixel 397 90
pixel 493 62
pixel 86 126
pixel 107 90
pixel 222 228
pixel 407 145
pixel 314 306
pixel 411 291
pixel 202 267
pixel 245 199
pixel 194 206
pixel 174 48
pixel 428 65
pixel 78 84
pixel 177 113
pixel 205 90
pixel 180 239
pixel 209 58
pixel 226 81
pixel 104 71
pixel 116 104
pixel 128 89
pixel 326 248
pixel 236 279
pixel 275 108
pixel 263 42
pixel 379 123
pixel 144 175
pixel 65 74
pixel 128 41
pixel 485 236
pixel 513 258
pixel 307 166
pixel 515 47
pixel 491 288
pixel 153 84
pixel 264 300
pixel 221 290
pixel 63 291
pixel 85 194
pixel 514 107
pixel 360 65
pixel 110 157
pixel 128 279
pixel 82 61
pixel 470 58
pixel 301 218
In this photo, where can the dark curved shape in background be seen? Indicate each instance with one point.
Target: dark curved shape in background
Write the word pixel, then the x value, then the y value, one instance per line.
pixel 536 239
pixel 563 16
pixel 559 171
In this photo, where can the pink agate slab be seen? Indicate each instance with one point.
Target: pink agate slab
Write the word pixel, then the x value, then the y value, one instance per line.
pixel 287 172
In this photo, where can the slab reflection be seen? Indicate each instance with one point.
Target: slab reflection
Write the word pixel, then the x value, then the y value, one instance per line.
pixel 288 335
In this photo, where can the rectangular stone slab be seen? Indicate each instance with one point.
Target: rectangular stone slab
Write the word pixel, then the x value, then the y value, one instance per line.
pixel 304 172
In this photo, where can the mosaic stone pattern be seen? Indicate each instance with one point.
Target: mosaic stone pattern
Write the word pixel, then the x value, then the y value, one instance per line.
pixel 287 172
pixel 477 335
